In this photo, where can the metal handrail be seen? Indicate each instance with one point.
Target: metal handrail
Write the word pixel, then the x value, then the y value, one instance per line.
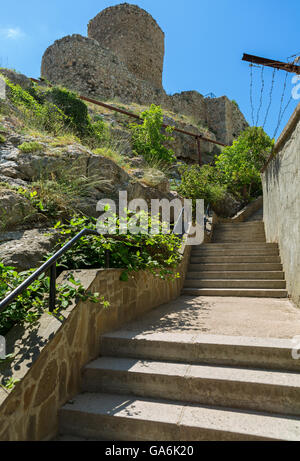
pixel 50 264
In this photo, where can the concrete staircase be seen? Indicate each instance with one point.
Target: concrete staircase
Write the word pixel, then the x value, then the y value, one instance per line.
pixel 238 262
pixel 158 386
pixel 177 387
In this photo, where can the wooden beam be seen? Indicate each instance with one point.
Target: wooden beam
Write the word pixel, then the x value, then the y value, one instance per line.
pixel 288 67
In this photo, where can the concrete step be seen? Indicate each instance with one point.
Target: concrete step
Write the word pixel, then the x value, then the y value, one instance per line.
pixel 226 246
pixel 236 252
pixel 265 353
pixel 250 389
pixel 235 267
pixel 231 283
pixel 234 259
pixel 241 225
pixel 237 240
pixel 237 275
pixel 125 417
pixel 237 231
pixel 241 292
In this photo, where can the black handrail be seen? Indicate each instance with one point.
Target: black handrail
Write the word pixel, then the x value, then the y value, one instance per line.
pixel 50 264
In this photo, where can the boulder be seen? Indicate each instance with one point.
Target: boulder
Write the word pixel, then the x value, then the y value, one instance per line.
pixel 227 207
pixel 26 249
pixel 15 210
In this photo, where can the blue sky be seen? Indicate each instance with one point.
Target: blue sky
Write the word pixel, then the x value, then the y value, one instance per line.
pixel 205 41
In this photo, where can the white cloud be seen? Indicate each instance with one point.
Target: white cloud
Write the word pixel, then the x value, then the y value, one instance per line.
pixel 12 33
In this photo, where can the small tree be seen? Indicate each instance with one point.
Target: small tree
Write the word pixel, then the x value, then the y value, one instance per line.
pixel 201 183
pixel 240 163
pixel 148 138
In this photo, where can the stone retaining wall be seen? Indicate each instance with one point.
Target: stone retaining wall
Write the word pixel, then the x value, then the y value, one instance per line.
pixel 49 355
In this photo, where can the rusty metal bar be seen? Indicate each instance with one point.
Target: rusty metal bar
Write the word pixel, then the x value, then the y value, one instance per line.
pixel 130 114
pixel 287 66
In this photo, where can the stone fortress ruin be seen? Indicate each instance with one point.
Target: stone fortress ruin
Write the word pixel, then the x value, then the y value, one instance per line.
pixel 122 58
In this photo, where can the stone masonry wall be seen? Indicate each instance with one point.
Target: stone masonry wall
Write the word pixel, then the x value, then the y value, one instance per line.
pixel 281 190
pixel 81 64
pixel 49 355
pixel 132 34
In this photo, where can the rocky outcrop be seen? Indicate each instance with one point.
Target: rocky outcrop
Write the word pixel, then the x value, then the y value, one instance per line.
pixel 26 249
pixel 24 228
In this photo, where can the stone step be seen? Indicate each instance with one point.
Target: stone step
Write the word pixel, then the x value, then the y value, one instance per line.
pixel 234 259
pixel 235 267
pixel 265 353
pixel 237 275
pixel 125 417
pixel 232 283
pixel 250 389
pixel 240 292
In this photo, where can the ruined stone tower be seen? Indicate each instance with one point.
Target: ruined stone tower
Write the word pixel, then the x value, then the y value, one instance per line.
pixel 122 58
pixel 135 37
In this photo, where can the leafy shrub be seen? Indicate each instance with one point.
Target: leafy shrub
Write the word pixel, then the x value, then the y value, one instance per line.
pixel 28 306
pixel 75 109
pixel 32 146
pixel 201 183
pixel 158 254
pixel 2 139
pixel 45 116
pixel 148 138
pixel 240 164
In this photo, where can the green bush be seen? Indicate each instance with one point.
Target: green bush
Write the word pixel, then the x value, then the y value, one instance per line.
pixel 148 138
pixel 44 116
pixel 201 183
pixel 29 305
pixel 2 139
pixel 31 146
pixel 75 109
pixel 240 164
pixel 158 254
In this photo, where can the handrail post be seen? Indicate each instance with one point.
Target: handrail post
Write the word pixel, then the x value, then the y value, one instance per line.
pixel 107 259
pixel 52 296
